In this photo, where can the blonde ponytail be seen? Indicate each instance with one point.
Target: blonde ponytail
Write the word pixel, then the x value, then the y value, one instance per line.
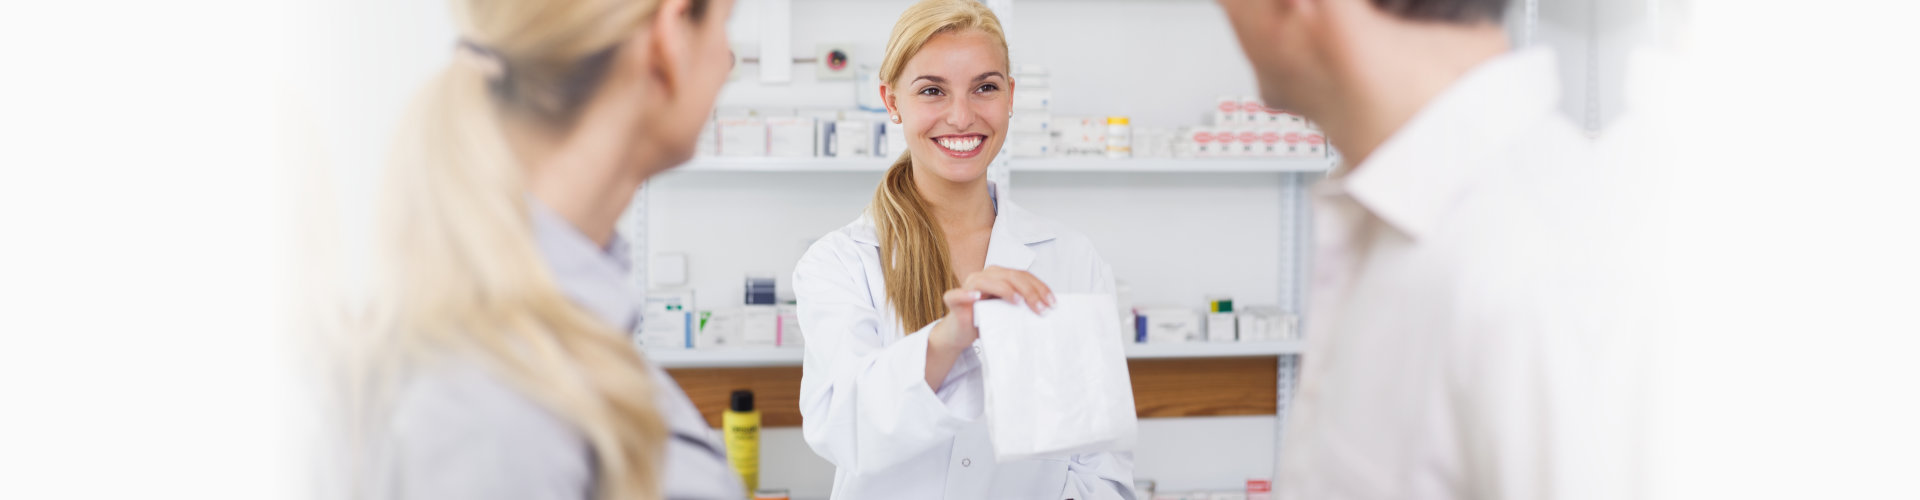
pixel 913 250
pixel 458 242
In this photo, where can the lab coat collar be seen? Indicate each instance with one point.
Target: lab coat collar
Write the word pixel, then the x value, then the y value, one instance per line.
pixel 1013 230
pixel 1413 179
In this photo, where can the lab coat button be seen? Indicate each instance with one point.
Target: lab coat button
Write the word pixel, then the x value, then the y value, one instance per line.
pixel 966 462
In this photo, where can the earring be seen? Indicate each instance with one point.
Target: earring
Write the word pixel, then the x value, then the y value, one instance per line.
pixel 896 118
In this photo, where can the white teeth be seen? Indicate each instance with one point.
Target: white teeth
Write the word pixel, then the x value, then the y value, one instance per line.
pixel 959 144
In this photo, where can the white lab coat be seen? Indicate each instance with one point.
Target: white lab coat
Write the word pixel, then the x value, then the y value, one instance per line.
pixel 864 400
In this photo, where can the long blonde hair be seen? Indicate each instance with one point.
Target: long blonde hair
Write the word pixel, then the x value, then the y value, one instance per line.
pixel 913 250
pixel 458 242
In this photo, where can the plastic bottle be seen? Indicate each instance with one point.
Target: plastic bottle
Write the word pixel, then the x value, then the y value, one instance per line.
pixel 741 427
pixel 1119 137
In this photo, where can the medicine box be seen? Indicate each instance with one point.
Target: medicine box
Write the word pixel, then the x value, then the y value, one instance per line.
pixel 788 334
pixel 1172 325
pixel 759 326
pixel 854 139
pixel 717 329
pixel 1259 489
pixel 743 137
pixel 1226 111
pixel 1032 97
pixel 1030 145
pixel 1220 327
pixel 1250 110
pixel 1270 143
pixel 791 137
pixel 1315 145
pixel 1226 143
pixel 1030 122
pixel 1247 142
pixel 666 328
pixel 1080 136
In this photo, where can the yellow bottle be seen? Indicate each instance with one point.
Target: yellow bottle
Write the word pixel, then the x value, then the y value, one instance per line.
pixel 740 425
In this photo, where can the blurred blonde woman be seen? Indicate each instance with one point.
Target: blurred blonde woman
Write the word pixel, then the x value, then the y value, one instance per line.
pixel 501 367
pixel 891 391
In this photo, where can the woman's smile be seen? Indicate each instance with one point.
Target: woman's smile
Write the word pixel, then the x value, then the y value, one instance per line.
pixel 960 145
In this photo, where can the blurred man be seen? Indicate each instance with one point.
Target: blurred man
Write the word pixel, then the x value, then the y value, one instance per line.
pixel 1462 338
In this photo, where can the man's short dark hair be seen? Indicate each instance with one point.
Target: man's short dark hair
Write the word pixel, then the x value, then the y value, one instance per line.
pixel 1451 11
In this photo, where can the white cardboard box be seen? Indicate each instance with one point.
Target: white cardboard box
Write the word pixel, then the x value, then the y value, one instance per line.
pixel 743 137
pixel 854 139
pixel 1172 325
pixel 790 137
pixel 1030 122
pixel 1032 97
pixel 759 326
pixel 1226 112
pixel 665 329
pixel 789 334
pixel 1030 145
pixel 1080 136
pixel 1247 142
pixel 1250 110
pixel 1220 328
pixel 719 329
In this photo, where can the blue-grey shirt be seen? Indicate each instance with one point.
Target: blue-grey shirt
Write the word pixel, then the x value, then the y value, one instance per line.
pixel 459 430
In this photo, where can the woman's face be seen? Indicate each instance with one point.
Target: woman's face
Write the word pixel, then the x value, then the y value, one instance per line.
pixel 663 90
pixel 700 78
pixel 954 99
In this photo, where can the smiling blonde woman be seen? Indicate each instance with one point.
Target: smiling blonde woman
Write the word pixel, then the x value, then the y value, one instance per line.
pixel 891 391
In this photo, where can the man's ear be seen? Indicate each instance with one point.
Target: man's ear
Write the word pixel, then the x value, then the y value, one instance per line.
pixel 670 44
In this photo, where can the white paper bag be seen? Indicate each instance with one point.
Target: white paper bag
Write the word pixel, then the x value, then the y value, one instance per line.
pixel 1055 384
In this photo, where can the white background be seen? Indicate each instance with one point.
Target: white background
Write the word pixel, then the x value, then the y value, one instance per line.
pixel 152 154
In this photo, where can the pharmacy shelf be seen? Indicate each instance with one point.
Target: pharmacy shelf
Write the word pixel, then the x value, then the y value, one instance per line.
pixel 765 164
pixel 1215 349
pixel 1062 165
pixel 1172 165
pixel 748 357
pixel 738 357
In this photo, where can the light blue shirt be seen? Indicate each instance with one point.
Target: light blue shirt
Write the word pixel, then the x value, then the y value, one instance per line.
pixel 459 430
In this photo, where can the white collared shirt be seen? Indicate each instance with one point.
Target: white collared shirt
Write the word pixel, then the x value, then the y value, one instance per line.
pixel 1464 317
pixel 864 401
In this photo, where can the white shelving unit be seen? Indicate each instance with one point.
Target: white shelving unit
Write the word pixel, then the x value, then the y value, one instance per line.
pixel 1016 165
pixel 746 357
pixel 1171 165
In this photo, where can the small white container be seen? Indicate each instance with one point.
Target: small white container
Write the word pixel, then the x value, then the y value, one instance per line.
pixel 1119 137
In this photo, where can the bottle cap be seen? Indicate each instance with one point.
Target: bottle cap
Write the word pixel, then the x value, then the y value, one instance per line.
pixel 742 401
pixel 1116 120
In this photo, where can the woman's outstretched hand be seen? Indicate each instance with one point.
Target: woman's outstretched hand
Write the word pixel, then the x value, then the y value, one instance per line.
pixel 956 331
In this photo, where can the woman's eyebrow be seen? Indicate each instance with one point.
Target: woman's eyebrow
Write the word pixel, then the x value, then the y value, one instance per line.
pixel 931 78
pixel 985 75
